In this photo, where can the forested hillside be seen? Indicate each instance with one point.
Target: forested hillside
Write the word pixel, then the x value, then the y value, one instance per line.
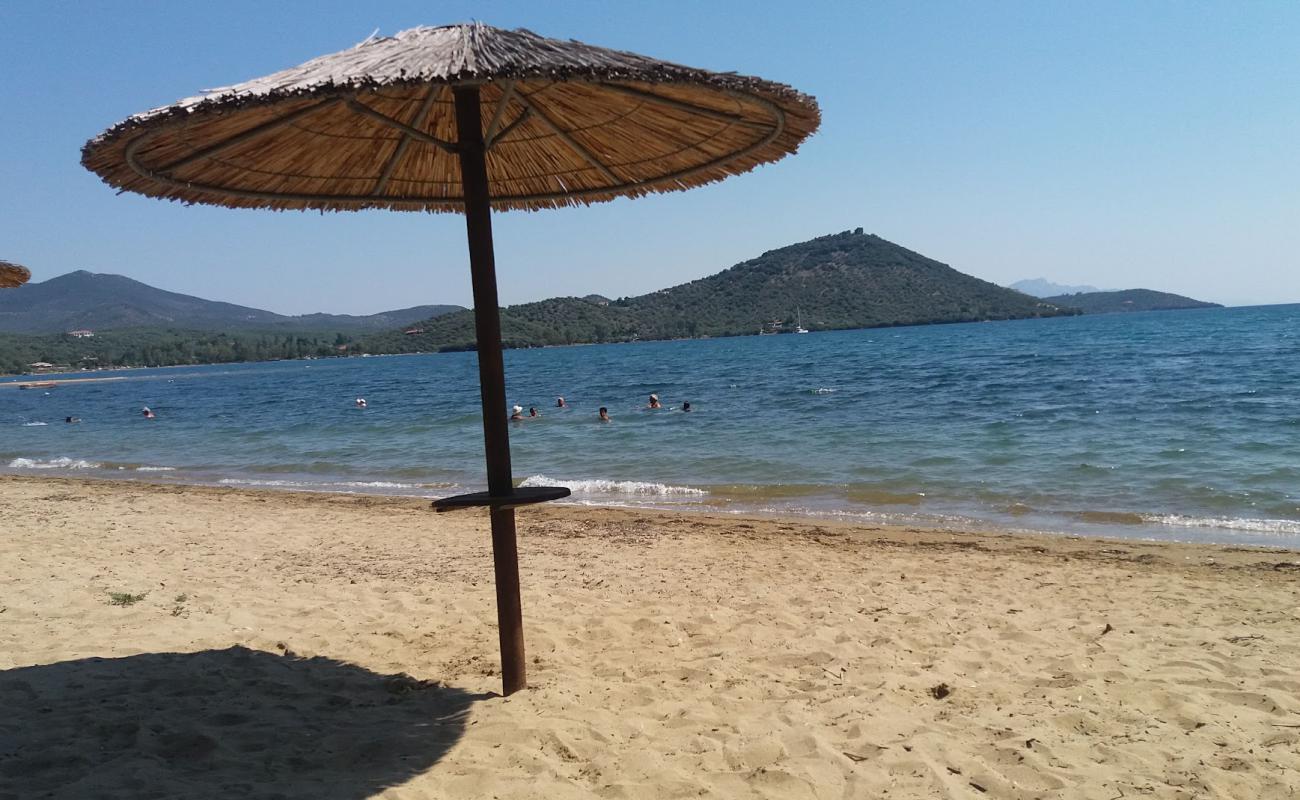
pixel 561 320
pixel 846 280
pixel 153 347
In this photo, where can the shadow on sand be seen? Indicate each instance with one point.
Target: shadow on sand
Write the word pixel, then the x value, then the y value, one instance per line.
pixel 219 723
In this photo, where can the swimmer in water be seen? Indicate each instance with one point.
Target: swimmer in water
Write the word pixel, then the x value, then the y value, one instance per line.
pixel 517 413
pixel 686 405
pixel 559 402
pixel 532 412
pixel 71 420
pixel 654 402
pixel 361 402
pixel 604 414
pixel 147 413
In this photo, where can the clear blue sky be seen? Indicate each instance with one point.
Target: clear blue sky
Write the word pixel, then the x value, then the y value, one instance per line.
pixel 1119 144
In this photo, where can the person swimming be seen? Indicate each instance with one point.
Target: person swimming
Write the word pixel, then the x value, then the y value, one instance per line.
pixel 686 405
pixel 654 402
pixel 559 403
pixel 517 413
pixel 147 413
pixel 532 412
pixel 361 402
pixel 71 420
pixel 604 414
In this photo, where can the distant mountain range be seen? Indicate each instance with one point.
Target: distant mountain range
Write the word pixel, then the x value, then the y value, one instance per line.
pixel 1041 287
pixel 99 302
pixel 1128 300
pixel 845 280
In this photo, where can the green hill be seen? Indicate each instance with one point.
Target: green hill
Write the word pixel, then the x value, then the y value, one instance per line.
pixel 102 302
pixel 846 280
pixel 1127 300
pixel 561 320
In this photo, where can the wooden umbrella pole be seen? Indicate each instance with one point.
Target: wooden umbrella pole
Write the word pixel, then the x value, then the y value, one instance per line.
pixel 492 380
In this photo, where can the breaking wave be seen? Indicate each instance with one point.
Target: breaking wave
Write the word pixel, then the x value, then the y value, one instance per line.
pixel 319 485
pixel 1281 526
pixel 597 486
pixel 54 463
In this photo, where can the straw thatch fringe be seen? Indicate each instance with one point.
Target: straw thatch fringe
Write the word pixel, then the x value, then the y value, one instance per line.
pixel 372 127
pixel 13 275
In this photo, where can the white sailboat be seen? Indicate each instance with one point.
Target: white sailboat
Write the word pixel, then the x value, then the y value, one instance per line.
pixel 798 324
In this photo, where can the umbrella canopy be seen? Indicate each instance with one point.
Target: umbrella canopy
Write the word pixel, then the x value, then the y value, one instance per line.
pixel 461 118
pixel 12 275
pixel 373 127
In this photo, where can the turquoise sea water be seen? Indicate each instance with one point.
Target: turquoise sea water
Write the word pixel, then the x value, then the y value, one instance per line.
pixel 1182 425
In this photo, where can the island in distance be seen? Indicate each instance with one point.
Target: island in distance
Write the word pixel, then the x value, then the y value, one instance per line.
pixel 1091 300
pixel 1128 300
pixel 1042 287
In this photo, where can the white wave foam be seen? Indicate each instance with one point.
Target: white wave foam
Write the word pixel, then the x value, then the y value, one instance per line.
pixel 248 482
pixel 155 469
pixel 380 485
pixel 1285 526
pixel 284 484
pixel 597 486
pixel 823 390
pixel 62 462
pixel 35 424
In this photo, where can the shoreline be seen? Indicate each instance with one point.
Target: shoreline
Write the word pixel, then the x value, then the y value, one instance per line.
pixel 61 377
pixel 52 382
pixel 1122 526
pixel 991 537
pixel 163 636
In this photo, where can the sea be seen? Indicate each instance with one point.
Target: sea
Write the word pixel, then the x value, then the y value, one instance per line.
pixel 1179 425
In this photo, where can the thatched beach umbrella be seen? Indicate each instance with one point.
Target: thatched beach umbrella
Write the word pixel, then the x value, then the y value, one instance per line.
pixel 12 275
pixel 462 118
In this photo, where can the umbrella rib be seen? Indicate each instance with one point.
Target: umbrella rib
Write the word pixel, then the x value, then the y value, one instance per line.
pixel 682 105
pixel 414 133
pixel 574 144
pixel 418 119
pixel 243 136
pixel 492 140
pixel 509 92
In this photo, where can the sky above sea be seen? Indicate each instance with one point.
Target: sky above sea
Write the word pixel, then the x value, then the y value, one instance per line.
pixel 1114 144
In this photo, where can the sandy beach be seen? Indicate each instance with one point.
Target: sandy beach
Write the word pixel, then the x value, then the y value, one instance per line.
pixel 163 641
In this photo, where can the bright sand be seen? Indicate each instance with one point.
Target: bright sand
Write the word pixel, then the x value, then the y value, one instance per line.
pixel 669 656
